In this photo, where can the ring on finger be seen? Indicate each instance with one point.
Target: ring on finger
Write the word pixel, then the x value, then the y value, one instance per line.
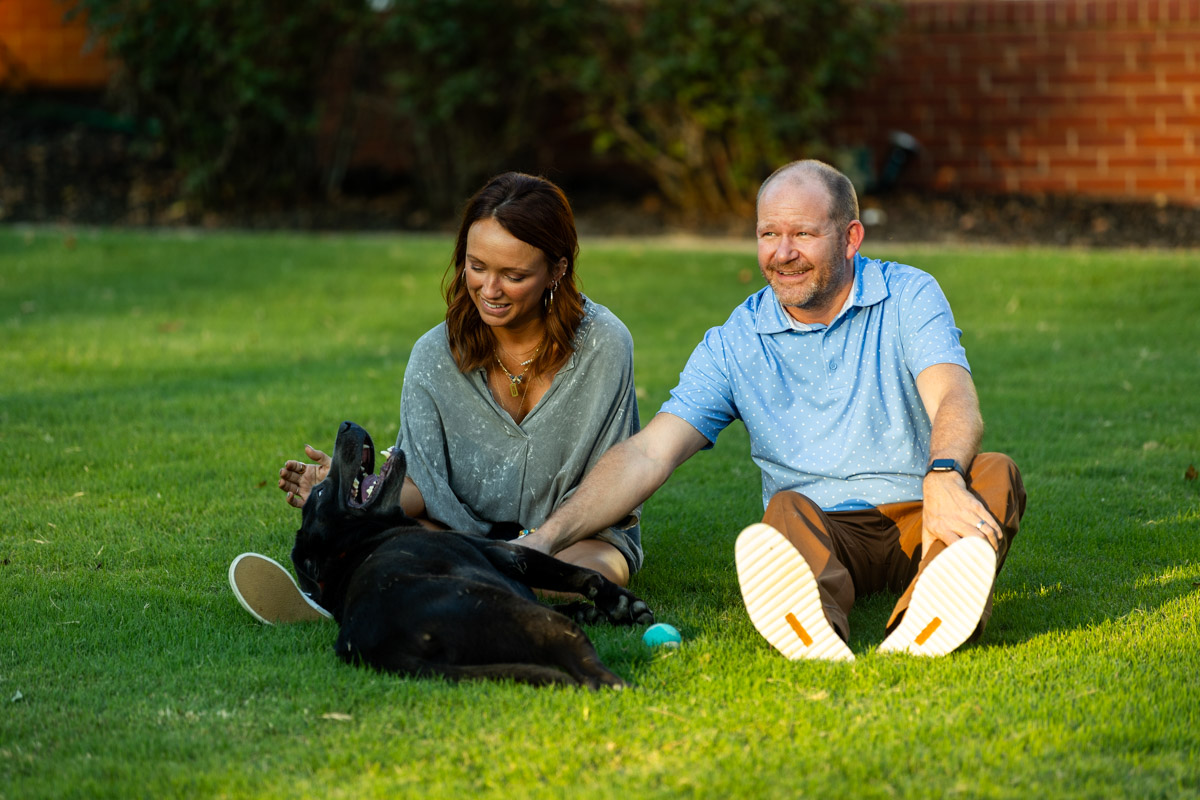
pixel 981 524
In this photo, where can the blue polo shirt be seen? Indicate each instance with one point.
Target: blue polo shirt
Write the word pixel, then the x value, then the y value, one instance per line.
pixel 832 411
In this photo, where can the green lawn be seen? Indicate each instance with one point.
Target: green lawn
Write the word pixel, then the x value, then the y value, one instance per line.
pixel 152 384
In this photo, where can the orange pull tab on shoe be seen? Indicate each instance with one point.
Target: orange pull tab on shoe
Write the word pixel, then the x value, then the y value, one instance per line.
pixel 799 629
pixel 924 635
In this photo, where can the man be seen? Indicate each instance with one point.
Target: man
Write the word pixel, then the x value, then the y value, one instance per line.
pixel 857 396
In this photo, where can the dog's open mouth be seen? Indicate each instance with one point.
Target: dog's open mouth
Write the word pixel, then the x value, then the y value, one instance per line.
pixel 363 490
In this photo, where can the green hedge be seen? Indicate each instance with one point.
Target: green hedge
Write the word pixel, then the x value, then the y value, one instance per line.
pixel 702 96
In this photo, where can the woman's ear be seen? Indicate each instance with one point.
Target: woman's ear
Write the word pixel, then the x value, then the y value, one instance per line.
pixel 560 269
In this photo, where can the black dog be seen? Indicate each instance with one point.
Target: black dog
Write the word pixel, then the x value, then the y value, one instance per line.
pixel 421 602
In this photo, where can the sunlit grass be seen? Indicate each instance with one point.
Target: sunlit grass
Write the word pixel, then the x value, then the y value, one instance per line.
pixel 151 385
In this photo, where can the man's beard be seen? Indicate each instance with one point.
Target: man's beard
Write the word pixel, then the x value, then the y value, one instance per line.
pixel 821 287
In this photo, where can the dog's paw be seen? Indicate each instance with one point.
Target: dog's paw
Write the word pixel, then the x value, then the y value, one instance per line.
pixel 582 613
pixel 641 613
pixel 625 608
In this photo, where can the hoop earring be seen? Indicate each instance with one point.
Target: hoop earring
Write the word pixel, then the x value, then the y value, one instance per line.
pixel 550 303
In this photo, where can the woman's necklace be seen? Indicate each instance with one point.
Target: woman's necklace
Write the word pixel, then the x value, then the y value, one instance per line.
pixel 514 381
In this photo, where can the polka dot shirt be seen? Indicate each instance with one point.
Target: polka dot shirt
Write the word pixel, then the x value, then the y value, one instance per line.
pixel 832 411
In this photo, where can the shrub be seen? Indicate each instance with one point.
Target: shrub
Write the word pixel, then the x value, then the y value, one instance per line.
pixel 704 96
pixel 231 85
pixel 708 96
pixel 477 85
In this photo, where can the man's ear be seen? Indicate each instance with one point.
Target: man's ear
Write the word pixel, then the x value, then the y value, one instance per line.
pixel 855 233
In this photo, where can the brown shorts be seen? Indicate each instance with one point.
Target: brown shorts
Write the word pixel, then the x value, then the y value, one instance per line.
pixel 866 551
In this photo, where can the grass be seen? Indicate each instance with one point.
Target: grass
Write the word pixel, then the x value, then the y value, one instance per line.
pixel 152 384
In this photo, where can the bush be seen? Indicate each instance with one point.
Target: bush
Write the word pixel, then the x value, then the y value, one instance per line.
pixel 231 85
pixel 704 96
pixel 708 96
pixel 477 85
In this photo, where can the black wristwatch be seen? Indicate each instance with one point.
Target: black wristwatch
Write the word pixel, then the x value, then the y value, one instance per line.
pixel 946 465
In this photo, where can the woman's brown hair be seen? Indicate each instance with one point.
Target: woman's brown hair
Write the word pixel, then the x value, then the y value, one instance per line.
pixel 535 211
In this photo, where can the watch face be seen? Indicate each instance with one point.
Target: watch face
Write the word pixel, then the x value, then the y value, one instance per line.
pixel 942 465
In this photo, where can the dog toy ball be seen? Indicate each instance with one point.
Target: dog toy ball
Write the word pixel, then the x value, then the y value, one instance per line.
pixel 661 635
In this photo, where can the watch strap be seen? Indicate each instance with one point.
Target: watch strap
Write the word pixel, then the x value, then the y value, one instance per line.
pixel 946 465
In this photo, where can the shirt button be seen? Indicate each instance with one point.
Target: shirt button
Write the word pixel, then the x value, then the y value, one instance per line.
pixel 833 366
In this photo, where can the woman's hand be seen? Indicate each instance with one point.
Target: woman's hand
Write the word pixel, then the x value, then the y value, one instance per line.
pixel 298 479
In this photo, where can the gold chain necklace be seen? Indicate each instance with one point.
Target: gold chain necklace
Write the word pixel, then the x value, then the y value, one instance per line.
pixel 515 381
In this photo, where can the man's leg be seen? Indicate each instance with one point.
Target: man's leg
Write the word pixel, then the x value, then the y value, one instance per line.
pixel 800 569
pixel 848 551
pixel 995 480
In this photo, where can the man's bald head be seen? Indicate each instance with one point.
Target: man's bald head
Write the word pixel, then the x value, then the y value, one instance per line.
pixel 843 201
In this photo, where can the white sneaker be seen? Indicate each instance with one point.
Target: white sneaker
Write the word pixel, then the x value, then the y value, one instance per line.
pixel 947 601
pixel 781 597
pixel 269 593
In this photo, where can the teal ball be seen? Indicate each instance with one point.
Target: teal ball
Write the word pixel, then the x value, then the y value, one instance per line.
pixel 661 635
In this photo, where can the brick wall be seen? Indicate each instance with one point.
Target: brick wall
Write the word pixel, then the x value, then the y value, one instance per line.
pixel 1096 97
pixel 39 50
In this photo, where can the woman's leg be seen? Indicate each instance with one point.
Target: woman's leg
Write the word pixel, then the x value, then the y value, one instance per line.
pixel 595 555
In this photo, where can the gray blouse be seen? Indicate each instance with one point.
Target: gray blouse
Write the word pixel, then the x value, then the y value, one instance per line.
pixel 475 466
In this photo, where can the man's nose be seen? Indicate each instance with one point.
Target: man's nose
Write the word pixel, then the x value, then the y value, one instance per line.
pixel 787 250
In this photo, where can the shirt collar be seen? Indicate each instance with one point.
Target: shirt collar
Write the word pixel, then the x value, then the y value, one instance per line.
pixel 869 288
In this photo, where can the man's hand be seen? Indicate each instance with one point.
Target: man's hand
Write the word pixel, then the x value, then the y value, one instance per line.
pixel 298 479
pixel 533 542
pixel 951 512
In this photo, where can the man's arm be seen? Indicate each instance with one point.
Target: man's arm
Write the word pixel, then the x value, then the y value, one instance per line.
pixel 621 480
pixel 950 511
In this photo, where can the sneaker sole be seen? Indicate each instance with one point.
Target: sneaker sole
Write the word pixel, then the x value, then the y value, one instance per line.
pixel 947 602
pixel 781 597
pixel 269 593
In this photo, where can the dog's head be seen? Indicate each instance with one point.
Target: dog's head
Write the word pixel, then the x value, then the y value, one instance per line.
pixel 348 509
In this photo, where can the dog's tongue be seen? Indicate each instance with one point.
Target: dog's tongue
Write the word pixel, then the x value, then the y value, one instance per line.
pixel 369 482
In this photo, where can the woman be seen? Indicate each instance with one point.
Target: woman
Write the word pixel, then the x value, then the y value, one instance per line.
pixel 507 403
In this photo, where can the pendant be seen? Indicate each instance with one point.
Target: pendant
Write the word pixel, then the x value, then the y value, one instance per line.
pixel 512 388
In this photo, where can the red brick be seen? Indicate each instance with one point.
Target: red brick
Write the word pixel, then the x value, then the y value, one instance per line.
pixel 1164 100
pixel 1177 163
pixel 1074 83
pixel 1179 78
pixel 1090 139
pixel 1061 158
pixel 1167 58
pixel 1126 120
pixel 1040 184
pixel 1102 186
pixel 1176 183
pixel 1132 161
pixel 1057 96
pixel 1131 80
pixel 49 48
pixel 1172 36
pixel 1092 53
pixel 1161 140
pixel 1183 119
